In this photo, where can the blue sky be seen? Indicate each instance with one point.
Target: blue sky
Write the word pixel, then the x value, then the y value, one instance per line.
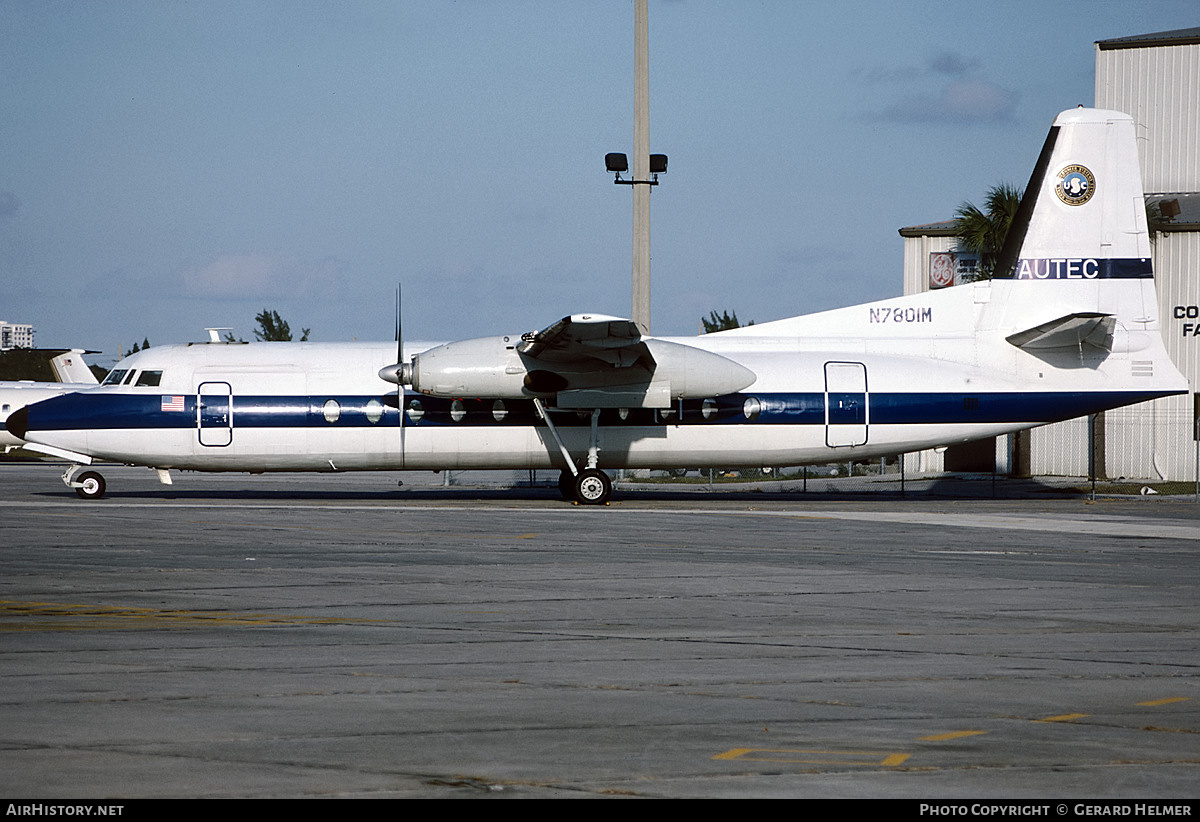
pixel 177 164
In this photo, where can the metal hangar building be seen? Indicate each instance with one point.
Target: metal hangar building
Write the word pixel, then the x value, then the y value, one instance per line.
pixel 1156 79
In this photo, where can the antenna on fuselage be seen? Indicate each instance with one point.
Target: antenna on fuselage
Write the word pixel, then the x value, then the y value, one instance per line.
pixel 214 334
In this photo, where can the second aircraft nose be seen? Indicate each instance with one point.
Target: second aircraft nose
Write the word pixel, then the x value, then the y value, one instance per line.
pixel 18 423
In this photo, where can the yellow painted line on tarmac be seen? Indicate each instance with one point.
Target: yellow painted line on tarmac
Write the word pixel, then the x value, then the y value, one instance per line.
pixel 16 616
pixel 1062 718
pixel 1153 703
pixel 950 735
pixel 803 756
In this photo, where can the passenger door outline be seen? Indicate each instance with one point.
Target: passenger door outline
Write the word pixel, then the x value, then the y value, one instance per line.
pixel 847 404
pixel 214 414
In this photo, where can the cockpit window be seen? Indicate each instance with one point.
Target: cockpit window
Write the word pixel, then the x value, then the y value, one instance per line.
pixel 115 377
pixel 129 379
pixel 149 378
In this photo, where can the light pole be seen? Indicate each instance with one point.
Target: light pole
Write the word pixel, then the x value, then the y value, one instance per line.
pixel 646 166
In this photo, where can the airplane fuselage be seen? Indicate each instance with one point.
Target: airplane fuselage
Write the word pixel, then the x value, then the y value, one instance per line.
pixel 871 380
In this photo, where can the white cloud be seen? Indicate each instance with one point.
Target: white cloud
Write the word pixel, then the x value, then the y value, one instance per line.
pixel 964 102
pixel 951 91
pixel 245 276
pixel 235 276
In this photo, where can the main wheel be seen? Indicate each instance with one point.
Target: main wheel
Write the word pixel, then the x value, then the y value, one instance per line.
pixel 92 486
pixel 592 487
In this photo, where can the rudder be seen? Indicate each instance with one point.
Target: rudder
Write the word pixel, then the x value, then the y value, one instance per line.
pixel 1083 215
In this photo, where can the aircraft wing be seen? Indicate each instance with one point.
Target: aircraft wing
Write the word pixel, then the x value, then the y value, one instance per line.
pixel 582 337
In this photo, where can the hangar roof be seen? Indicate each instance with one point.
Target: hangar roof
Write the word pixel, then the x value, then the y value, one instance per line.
pixel 945 228
pixel 1178 37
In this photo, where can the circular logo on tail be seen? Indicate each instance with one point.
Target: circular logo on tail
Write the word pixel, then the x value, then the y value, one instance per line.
pixel 1076 185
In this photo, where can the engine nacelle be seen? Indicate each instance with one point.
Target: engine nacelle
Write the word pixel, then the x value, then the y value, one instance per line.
pixel 695 373
pixel 493 367
pixel 484 367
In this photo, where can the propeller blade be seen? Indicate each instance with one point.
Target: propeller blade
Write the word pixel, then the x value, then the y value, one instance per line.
pixel 399 366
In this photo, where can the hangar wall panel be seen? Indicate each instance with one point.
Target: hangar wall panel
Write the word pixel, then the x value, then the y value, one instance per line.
pixel 1177 281
pixel 1159 87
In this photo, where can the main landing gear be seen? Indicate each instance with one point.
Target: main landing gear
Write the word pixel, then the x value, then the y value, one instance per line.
pixel 591 486
pixel 586 486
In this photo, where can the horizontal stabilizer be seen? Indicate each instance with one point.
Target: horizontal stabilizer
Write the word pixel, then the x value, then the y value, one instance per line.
pixel 1071 331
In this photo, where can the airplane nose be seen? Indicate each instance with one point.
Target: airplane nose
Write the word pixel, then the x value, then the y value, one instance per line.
pixel 18 423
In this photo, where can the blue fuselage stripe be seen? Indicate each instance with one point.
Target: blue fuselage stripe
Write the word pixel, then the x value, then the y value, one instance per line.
pixel 145 411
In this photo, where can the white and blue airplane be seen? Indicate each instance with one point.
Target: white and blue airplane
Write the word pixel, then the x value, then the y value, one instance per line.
pixel 1068 326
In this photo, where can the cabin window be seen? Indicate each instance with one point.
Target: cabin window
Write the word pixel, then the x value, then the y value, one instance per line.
pixel 151 378
pixel 115 377
pixel 374 410
pixel 457 410
pixel 499 412
pixel 415 411
pixel 331 411
pixel 751 408
pixel 708 409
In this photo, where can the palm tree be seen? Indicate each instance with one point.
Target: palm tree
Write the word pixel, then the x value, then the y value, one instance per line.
pixel 273 328
pixel 721 322
pixel 984 232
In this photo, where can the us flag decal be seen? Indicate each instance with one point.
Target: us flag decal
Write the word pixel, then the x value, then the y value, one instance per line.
pixel 172 403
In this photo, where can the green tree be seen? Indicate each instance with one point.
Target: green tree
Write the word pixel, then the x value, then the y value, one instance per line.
pixel 983 232
pixel 721 322
pixel 273 328
pixel 27 364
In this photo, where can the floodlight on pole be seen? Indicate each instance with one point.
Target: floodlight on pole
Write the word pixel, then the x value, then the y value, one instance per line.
pixel 618 164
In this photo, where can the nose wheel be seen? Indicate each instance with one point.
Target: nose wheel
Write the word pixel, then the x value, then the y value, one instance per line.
pixel 89 485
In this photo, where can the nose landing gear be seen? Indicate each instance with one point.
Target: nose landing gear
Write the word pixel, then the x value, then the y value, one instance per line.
pixel 88 484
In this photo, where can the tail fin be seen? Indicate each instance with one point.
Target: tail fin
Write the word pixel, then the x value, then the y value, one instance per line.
pixel 70 367
pixel 1075 273
pixel 1083 216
